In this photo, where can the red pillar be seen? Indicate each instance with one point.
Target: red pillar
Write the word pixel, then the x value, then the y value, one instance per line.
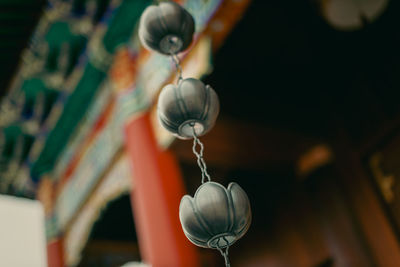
pixel 157 191
pixel 55 253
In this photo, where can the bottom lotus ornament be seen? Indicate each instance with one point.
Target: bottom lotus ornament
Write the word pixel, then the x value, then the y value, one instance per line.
pixel 215 217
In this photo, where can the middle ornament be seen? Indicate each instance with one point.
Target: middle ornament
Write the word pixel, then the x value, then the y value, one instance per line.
pixel 189 108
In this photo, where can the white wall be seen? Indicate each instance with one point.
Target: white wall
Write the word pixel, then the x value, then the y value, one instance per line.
pixel 22 233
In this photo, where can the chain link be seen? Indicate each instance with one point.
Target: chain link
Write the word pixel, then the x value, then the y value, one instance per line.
pixel 225 253
pixel 178 67
pixel 199 155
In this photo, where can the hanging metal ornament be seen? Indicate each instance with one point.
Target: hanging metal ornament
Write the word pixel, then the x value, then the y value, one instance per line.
pixel 166 28
pixel 189 105
pixel 215 217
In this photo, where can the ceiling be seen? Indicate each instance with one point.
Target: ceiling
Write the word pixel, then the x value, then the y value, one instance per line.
pixel 287 81
pixel 283 66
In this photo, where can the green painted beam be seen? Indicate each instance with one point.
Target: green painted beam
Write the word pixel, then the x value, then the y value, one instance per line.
pixel 119 31
pixel 73 112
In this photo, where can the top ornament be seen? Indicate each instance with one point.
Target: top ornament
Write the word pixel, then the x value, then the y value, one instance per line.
pixel 166 28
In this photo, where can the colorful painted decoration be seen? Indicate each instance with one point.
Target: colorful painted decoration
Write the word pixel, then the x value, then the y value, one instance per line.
pixel 116 183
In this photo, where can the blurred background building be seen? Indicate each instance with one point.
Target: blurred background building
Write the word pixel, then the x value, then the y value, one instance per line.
pixel 309 127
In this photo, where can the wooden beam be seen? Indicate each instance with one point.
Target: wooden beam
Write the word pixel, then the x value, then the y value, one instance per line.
pixel 365 204
pixel 238 144
pixel 55 257
pixel 94 248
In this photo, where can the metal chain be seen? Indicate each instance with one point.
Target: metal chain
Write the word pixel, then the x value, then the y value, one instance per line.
pixel 199 155
pixel 225 253
pixel 196 141
pixel 178 67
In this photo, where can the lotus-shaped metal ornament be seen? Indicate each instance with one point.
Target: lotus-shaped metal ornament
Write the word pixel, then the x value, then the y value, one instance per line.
pixel 166 28
pixel 215 217
pixel 191 106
